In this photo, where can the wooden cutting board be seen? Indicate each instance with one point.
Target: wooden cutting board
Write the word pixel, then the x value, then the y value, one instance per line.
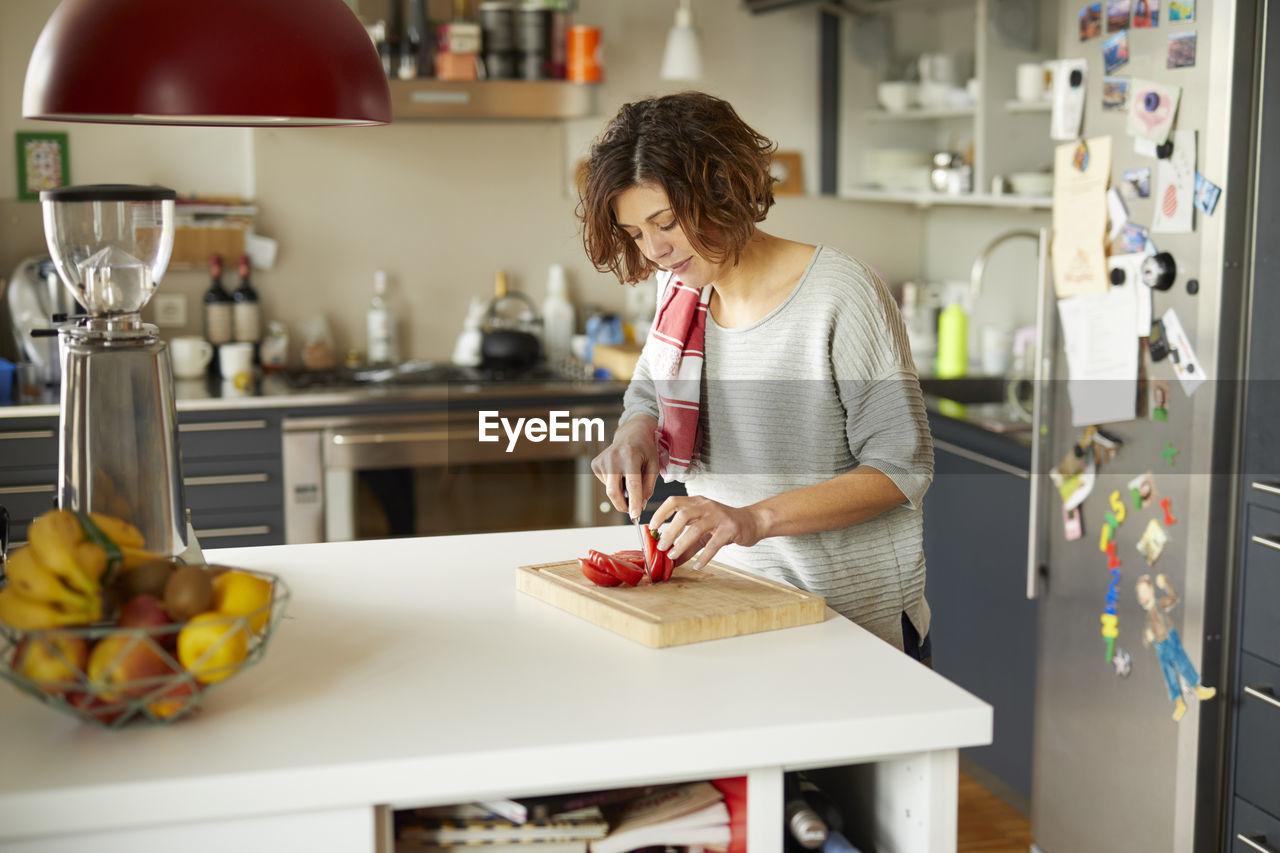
pixel 718 601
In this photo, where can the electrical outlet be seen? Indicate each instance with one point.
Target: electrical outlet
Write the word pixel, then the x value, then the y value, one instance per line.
pixel 170 310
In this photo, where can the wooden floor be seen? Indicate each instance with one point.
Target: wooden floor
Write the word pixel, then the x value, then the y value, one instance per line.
pixel 987 824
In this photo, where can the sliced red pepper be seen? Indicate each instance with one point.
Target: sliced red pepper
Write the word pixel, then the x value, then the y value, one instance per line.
pixel 596 576
pixel 651 552
pixel 624 572
pixel 662 566
pixel 633 556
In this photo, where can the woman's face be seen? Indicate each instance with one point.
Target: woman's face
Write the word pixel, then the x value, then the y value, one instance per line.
pixel 644 213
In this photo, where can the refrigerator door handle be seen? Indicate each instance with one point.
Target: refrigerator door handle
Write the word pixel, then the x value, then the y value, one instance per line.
pixel 1266 542
pixel 1040 400
pixel 1263 693
pixel 1256 842
pixel 1267 488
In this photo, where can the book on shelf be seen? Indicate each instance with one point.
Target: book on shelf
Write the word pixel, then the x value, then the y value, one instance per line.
pixel 694 814
pixel 446 830
pixel 408 846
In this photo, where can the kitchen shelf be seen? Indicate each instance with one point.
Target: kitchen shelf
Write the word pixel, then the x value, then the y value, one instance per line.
pixel 921 114
pixel 500 99
pixel 1029 106
pixel 929 199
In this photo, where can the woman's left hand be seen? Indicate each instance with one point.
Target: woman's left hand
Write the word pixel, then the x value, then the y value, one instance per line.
pixel 700 526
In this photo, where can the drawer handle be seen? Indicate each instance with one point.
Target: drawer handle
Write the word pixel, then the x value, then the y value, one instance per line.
pixel 1263 693
pixel 1255 842
pixel 346 439
pixel 1268 488
pixel 1266 542
pixel 29 434
pixel 218 426
pixel 229 532
pixel 26 490
pixel 225 480
pixel 981 459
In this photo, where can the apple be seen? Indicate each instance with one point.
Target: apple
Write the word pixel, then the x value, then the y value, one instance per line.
pixel 53 660
pixel 123 665
pixel 100 709
pixel 212 646
pixel 147 611
pixel 175 699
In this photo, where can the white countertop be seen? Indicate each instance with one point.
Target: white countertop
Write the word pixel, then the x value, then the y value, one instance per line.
pixel 411 672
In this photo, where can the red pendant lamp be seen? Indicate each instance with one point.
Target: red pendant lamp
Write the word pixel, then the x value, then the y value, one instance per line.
pixel 206 62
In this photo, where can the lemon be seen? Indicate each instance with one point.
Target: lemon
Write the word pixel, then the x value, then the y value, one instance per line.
pixel 242 594
pixel 211 646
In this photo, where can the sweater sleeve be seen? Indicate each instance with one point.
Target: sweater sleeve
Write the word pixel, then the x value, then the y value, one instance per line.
pixel 885 420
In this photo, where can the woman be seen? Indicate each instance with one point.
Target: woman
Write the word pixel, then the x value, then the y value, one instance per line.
pixel 777 382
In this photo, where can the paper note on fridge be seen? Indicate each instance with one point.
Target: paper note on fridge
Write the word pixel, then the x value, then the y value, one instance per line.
pixel 1068 98
pixel 1152 107
pixel 1131 266
pixel 1080 174
pixel 1185 364
pixel 1102 355
pixel 1176 186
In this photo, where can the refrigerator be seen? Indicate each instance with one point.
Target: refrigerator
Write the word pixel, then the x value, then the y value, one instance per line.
pixel 1111 769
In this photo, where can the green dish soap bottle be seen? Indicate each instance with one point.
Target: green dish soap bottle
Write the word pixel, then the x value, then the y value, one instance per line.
pixel 953 338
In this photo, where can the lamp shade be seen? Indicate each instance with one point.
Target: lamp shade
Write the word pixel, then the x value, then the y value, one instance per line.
pixel 682 59
pixel 227 63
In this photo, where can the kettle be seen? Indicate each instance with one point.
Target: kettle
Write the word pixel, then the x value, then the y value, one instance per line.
pixel 510 341
pixel 33 298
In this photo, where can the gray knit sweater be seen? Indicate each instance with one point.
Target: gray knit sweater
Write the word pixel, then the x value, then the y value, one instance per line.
pixel 823 384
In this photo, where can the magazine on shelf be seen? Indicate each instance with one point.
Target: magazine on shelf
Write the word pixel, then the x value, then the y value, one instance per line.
pixel 693 814
pixel 446 831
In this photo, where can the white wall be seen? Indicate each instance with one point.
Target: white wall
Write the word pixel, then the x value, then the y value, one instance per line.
pixel 442 205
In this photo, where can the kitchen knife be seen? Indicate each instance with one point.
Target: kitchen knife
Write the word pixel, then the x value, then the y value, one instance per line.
pixel 644 552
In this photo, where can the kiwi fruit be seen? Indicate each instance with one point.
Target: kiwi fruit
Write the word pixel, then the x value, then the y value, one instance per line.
pixel 148 578
pixel 188 591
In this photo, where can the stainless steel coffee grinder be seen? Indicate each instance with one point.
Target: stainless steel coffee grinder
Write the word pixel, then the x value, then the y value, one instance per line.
pixel 118 429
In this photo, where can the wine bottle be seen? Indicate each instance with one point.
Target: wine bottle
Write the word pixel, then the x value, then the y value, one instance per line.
pixel 217 307
pixel 805 826
pixel 246 311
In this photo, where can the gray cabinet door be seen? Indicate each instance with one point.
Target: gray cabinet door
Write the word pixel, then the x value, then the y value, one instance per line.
pixel 984 627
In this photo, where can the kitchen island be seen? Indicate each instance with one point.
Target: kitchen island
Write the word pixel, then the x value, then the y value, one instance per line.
pixel 411 672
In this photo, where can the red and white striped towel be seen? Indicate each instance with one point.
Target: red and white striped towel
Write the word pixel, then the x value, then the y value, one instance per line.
pixel 676 356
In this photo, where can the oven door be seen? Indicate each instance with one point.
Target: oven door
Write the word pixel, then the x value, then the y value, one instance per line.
pixel 379 476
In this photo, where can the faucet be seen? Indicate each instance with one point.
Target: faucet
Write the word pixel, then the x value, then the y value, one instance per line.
pixel 980 263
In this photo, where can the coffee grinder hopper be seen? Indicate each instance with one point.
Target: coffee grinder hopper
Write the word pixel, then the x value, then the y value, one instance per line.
pixel 118 440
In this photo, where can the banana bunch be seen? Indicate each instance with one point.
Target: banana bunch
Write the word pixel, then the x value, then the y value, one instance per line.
pixel 57 578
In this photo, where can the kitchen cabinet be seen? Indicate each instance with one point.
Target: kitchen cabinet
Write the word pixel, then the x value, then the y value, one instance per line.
pixel 230 463
pixel 983 626
pixel 988 39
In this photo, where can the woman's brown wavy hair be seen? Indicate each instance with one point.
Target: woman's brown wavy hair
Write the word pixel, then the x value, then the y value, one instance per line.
pixel 713 167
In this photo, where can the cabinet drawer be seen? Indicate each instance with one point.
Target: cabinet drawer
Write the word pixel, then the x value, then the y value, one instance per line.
pixel 1263 490
pixel 1253 830
pixel 29 444
pixel 247 435
pixel 1258 734
pixel 1260 623
pixel 236 484
pixel 238 529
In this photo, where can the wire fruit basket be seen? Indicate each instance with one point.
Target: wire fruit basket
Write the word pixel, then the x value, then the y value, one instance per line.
pixel 113 676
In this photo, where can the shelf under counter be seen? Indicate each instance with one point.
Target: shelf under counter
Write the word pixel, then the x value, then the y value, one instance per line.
pixel 498 99
pixel 929 199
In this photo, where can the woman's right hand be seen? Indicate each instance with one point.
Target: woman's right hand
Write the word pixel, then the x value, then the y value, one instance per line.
pixel 630 463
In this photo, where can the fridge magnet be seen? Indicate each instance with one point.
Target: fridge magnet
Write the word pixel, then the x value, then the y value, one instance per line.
pixel 1113 557
pixel 1117 15
pixel 1170 453
pixel 1122 662
pixel 1133 239
pixel 1206 195
pixel 1091 21
pixel 1115 93
pixel 1152 542
pixel 1160 633
pixel 1185 364
pixel 1182 50
pixel 1115 51
pixel 1160 400
pixel 1117 506
pixel 1175 186
pixel 1110 622
pixel 1136 183
pixel 1117 213
pixel 1153 107
pixel 1072 524
pixel 1169 520
pixel 1182 10
pixel 1146 14
pixel 44 163
pixel 1142 490
pixel 1067 101
pixel 1105 445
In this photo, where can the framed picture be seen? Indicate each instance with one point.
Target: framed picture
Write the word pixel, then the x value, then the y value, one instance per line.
pixel 44 163
pixel 787 168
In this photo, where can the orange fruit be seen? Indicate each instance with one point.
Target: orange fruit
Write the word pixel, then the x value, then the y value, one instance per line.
pixel 242 594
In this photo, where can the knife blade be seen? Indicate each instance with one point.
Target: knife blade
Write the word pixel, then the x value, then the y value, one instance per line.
pixel 644 552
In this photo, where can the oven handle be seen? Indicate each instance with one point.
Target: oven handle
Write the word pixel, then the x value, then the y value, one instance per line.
pixel 348 439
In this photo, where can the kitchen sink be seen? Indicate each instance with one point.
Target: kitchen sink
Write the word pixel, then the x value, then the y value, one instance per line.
pixel 418 373
pixel 966 389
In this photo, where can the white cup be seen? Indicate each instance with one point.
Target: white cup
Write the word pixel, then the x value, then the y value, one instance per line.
pixel 234 359
pixel 995 350
pixel 1031 83
pixel 190 357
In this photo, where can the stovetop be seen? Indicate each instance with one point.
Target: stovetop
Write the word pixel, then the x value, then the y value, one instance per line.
pixel 429 373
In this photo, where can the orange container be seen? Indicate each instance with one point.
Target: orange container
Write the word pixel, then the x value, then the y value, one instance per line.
pixel 583 60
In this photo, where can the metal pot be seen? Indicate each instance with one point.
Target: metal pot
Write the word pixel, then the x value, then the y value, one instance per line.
pixel 509 349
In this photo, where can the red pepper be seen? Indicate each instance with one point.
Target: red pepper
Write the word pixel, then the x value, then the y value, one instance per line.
pixel 633 556
pixel 628 574
pixel 596 576
pixel 659 561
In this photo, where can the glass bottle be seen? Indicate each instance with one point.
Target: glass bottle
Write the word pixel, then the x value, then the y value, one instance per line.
pixel 246 311
pixel 217 307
